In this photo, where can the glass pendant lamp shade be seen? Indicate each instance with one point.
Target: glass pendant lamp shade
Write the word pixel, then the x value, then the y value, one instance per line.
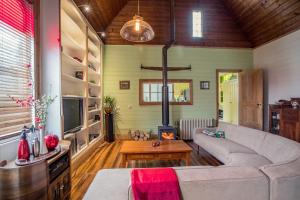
pixel 137 30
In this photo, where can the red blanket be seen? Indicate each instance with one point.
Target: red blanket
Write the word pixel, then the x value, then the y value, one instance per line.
pixel 155 184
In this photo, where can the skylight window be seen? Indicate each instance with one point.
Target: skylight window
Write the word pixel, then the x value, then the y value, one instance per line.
pixel 197 24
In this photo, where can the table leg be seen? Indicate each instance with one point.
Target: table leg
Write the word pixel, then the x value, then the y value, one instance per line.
pixel 124 162
pixel 187 159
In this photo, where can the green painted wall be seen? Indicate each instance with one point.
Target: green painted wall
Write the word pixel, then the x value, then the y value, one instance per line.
pixel 123 63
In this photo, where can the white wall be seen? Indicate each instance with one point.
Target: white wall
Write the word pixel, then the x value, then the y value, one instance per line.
pixel 280 60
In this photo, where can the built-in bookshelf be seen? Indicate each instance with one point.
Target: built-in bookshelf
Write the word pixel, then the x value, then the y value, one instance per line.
pixel 81 73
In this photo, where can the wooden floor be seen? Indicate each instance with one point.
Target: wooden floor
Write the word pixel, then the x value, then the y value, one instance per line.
pixel 108 156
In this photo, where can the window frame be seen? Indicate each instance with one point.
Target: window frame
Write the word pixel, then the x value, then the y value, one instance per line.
pixel 201 14
pixel 36 68
pixel 141 91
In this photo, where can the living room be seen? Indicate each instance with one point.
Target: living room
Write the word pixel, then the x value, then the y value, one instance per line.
pixel 198 97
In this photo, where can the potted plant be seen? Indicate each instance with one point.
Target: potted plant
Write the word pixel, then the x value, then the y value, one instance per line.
pixel 111 116
pixel 109 104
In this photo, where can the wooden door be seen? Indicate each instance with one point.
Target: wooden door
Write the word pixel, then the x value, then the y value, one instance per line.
pixel 251 99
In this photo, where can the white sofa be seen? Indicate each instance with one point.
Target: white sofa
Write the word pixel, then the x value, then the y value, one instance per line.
pixel 276 157
pixel 258 166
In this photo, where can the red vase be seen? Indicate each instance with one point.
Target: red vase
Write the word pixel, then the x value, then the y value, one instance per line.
pixel 23 148
pixel 51 141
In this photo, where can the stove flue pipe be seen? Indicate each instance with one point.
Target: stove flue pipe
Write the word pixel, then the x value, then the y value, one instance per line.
pixel 165 90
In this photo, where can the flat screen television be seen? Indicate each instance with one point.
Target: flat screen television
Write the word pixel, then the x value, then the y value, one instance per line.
pixel 73 114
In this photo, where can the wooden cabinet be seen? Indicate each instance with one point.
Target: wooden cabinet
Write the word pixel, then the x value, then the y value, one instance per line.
pixel 59 177
pixel 47 179
pixel 60 188
pixel 285 121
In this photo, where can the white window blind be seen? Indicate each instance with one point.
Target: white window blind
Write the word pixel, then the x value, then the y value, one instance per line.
pixel 16 64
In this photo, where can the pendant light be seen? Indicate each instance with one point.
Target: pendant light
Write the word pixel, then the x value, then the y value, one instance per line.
pixel 137 30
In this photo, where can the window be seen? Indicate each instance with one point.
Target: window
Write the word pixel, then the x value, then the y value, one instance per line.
pixel 180 92
pixel 197 24
pixel 16 64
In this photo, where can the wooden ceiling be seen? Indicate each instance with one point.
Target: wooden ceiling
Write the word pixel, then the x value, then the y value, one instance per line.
pixel 265 20
pixel 102 11
pixel 226 23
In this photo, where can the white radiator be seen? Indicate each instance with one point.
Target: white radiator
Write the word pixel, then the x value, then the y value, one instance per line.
pixel 187 126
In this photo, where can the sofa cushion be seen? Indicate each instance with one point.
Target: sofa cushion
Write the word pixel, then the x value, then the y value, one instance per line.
pixel 109 184
pixel 248 137
pixel 224 183
pixel 245 159
pixel 219 147
pixel 279 149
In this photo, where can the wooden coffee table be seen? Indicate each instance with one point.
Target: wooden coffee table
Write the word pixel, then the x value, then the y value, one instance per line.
pixel 143 150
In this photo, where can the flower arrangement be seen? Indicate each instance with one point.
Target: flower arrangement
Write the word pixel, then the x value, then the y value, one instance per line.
pixel 40 105
pixel 41 110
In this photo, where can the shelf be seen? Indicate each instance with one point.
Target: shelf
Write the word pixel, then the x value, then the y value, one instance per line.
pixel 93 72
pixel 70 43
pixel 93 111
pixel 71 61
pixel 70 27
pixel 73 96
pixel 68 77
pixel 96 98
pixel 93 59
pixel 94 85
pixel 93 47
pixel 94 124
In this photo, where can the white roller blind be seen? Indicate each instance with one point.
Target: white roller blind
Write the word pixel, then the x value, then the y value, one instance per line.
pixel 16 64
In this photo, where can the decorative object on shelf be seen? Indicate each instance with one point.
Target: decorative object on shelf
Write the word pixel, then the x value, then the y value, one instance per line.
pixel 79 75
pixel 35 146
pixel 33 159
pixel 51 141
pixel 295 104
pixel 23 147
pixel 41 113
pixel 204 85
pixel 137 30
pixel 78 59
pixel 97 117
pixel 124 85
pixel 91 66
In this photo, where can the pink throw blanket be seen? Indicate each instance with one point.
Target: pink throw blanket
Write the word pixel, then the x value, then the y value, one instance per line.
pixel 155 184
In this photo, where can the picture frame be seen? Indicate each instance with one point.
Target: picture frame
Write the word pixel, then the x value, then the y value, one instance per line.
pixel 124 85
pixel 204 85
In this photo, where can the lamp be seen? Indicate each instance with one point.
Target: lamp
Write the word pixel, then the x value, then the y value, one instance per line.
pixel 137 30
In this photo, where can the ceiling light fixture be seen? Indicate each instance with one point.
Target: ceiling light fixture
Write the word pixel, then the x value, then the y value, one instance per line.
pixel 86 7
pixel 137 30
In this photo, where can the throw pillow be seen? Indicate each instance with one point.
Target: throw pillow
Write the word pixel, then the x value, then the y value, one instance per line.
pixel 209 132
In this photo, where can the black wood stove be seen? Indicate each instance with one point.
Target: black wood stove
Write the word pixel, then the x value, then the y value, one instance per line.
pixel 165 128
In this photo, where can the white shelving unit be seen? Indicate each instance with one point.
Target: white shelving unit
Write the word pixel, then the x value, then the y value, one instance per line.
pixel 81 54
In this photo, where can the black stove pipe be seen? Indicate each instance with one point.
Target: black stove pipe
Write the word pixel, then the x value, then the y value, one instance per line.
pixel 165 90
